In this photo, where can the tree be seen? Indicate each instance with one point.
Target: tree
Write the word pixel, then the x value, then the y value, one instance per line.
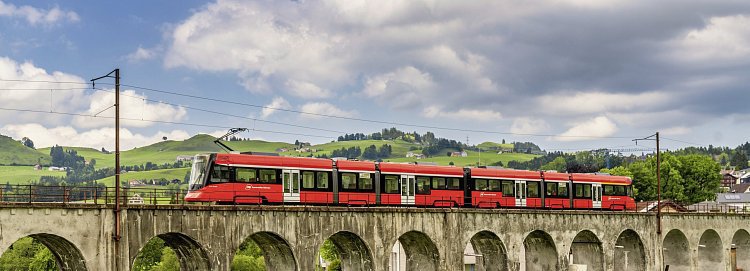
pixel 27 142
pixel 739 159
pixel 701 177
pixel 330 254
pixel 43 261
pixel 559 165
pixel 169 261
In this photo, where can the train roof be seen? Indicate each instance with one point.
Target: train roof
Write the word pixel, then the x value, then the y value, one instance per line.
pixel 421 169
pixel 246 160
pixel 344 165
pixel 505 173
pixel 605 179
pixel 556 176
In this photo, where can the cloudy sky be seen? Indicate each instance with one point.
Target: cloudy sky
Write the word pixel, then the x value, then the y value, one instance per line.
pixel 566 74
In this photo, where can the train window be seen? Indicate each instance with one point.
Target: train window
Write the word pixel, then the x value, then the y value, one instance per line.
pixel 578 190
pixel 365 181
pixel 323 180
pixel 562 190
pixel 508 188
pixel 438 183
pixel 587 191
pixel 495 185
pixel 247 175
pixel 615 190
pixel 308 179
pixel 480 184
pixel 423 185
pixel 551 189
pixel 268 176
pixel 221 174
pixel 391 184
pixel 454 183
pixel 532 189
pixel 349 181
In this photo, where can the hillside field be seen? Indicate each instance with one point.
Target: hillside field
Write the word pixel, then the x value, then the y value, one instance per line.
pixel 169 174
pixel 472 159
pixel 24 174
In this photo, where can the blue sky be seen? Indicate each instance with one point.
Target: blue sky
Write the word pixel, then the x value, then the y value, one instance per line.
pixel 566 74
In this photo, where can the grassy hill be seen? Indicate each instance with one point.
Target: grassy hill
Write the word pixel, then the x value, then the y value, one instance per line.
pixel 472 158
pixel 24 174
pixel 169 174
pixel 494 146
pixel 12 152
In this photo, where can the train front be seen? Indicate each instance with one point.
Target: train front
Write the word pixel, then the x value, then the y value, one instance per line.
pixel 198 177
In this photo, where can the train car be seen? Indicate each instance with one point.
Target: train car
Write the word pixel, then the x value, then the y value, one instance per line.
pixel 356 182
pixel 421 185
pixel 491 188
pixel 556 190
pixel 591 191
pixel 253 179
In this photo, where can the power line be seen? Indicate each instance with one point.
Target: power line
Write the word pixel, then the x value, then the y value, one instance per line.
pixel 686 142
pixel 369 120
pixel 43 81
pixel 155 121
pixel 226 114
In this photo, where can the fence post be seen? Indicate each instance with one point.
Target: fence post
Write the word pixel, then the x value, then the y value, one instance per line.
pixel 30 194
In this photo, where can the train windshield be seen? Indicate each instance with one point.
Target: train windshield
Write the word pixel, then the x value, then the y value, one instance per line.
pixel 199 171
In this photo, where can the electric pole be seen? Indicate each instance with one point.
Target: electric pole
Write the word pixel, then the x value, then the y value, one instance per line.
pixel 116 233
pixel 658 179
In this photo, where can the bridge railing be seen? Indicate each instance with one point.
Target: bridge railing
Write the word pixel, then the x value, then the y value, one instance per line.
pixel 100 195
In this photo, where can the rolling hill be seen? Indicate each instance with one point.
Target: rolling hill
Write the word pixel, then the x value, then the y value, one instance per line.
pixel 12 152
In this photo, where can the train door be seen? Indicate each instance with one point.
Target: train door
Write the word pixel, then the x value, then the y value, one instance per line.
pixel 408 184
pixel 290 178
pixel 596 195
pixel 520 193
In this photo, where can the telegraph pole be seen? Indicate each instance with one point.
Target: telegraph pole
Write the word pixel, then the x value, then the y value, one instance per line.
pixel 658 179
pixel 116 233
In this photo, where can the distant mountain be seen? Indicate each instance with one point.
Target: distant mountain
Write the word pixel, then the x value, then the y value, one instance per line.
pixel 12 152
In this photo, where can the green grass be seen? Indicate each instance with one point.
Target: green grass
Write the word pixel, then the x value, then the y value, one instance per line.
pixel 169 174
pixel 24 174
pixel 12 152
pixel 398 147
pixel 472 159
pixel 257 145
pixel 492 145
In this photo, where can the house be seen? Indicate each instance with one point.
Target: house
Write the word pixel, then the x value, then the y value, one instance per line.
pixel 745 178
pixel 136 183
pixel 740 188
pixel 713 207
pixel 736 201
pixel 415 155
pixel 420 156
pixel 57 168
pixel 37 167
pixel 730 177
pixel 184 158
pixel 459 154
pixel 667 206
pixel 282 150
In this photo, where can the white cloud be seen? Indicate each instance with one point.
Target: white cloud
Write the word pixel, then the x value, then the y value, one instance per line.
pixel 306 90
pixel 96 138
pixel 528 126
pixel 37 16
pixel 276 103
pixel 141 54
pixel 133 106
pixel 462 114
pixel 403 87
pixel 324 109
pixel 597 127
pixel 599 102
pixel 28 87
pixel 723 40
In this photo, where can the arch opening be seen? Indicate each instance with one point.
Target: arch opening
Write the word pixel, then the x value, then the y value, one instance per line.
pixel 586 249
pixel 629 254
pixel 676 251
pixel 264 251
pixel 345 251
pixel 43 251
pixel 740 250
pixel 171 251
pixel 540 252
pixel 485 252
pixel 709 250
pixel 414 251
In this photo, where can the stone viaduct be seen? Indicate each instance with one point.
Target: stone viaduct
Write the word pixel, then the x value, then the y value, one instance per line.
pixel 207 237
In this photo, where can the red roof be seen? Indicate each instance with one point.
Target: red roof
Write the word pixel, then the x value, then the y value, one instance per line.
pixel 421 169
pixel 273 161
pixel 505 173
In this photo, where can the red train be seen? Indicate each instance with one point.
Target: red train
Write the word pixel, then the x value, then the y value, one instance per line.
pixel 256 179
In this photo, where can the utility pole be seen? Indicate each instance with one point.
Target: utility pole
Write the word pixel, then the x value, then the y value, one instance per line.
pixel 116 233
pixel 658 179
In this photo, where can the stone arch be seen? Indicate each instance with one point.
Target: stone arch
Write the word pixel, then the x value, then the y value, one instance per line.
pixel 676 251
pixel 586 249
pixel 189 252
pixel 66 254
pixel 540 252
pixel 629 254
pixel 421 252
pixel 492 251
pixel 710 250
pixel 741 250
pixel 277 253
pixel 354 253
